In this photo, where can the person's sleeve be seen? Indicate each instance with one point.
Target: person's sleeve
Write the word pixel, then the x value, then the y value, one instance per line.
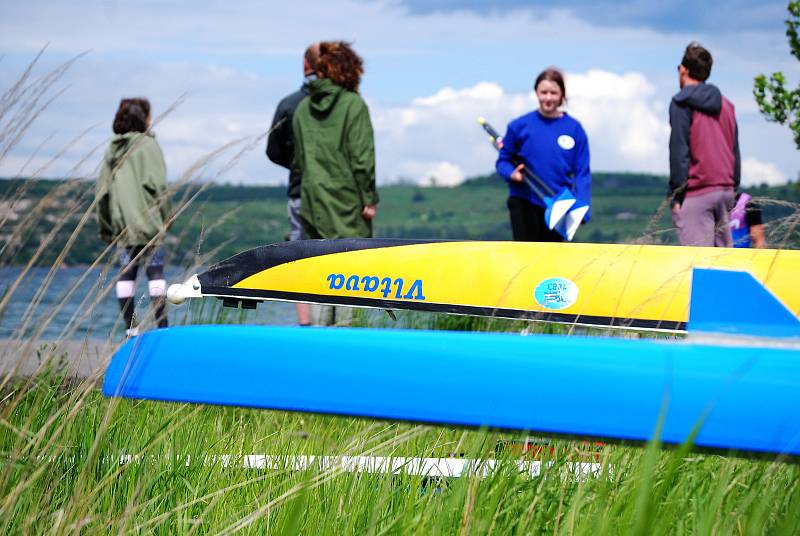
pixel 295 165
pixel 164 201
pixel 103 210
pixel 737 163
pixel 157 177
pixel 583 174
pixel 680 120
pixel 280 149
pixel 752 214
pixel 361 150
pixel 505 159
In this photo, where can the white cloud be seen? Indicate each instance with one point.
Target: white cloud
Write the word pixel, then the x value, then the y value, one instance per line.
pixel 439 134
pixel 627 129
pixel 482 91
pixel 442 174
pixel 755 172
pixel 425 86
pixel 227 105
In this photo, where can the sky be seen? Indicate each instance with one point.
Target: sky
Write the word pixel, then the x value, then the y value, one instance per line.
pixel 432 67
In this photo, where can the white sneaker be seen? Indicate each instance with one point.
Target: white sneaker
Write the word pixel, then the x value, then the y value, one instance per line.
pixel 132 332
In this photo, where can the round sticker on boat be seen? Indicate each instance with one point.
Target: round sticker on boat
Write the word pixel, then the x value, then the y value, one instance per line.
pixel 566 142
pixel 556 293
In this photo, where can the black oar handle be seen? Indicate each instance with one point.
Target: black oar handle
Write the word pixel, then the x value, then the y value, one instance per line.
pixel 492 132
pixel 533 180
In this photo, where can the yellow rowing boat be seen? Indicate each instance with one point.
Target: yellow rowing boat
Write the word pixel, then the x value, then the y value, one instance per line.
pixel 635 286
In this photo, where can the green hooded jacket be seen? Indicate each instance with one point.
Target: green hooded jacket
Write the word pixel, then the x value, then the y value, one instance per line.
pixel 335 156
pixel 131 193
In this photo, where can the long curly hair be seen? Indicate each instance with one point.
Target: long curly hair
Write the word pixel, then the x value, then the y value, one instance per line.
pixel 340 63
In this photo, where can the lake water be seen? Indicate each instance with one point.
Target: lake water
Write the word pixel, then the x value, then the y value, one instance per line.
pixel 77 304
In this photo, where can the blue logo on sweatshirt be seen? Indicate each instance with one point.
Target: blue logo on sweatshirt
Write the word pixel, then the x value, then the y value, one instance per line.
pixel 556 293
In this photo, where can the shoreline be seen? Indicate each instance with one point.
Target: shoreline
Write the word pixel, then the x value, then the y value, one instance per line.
pixel 80 359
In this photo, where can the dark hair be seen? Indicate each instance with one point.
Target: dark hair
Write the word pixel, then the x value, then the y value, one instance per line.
pixel 312 55
pixel 697 61
pixel 340 63
pixel 553 75
pixel 131 116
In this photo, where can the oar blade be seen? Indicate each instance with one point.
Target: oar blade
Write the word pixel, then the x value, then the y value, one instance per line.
pixel 572 220
pixel 557 207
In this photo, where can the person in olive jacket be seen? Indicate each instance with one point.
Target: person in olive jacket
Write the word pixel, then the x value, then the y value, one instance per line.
pixel 335 149
pixel 133 207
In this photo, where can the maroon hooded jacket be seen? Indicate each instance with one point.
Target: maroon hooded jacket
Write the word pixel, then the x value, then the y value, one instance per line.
pixel 704 144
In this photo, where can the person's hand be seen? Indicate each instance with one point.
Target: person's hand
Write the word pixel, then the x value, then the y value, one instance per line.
pixel 369 212
pixel 516 176
pixel 676 208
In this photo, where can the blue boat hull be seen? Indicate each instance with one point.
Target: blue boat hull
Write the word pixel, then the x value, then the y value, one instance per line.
pixel 746 398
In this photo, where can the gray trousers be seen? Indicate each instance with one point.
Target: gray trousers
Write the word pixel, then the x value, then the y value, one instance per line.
pixel 330 315
pixel 702 220
pixel 293 212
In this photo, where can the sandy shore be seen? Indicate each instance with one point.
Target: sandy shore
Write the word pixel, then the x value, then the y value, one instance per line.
pixel 81 359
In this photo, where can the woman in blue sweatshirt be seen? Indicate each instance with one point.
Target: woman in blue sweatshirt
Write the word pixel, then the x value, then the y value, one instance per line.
pixel 555 147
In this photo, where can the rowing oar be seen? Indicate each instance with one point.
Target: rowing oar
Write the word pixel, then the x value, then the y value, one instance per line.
pixel 563 213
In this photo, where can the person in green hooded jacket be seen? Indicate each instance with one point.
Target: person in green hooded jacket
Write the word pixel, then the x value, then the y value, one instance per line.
pixel 335 149
pixel 133 207
pixel 335 156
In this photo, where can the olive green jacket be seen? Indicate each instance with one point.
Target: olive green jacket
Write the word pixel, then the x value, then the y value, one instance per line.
pixel 131 193
pixel 335 156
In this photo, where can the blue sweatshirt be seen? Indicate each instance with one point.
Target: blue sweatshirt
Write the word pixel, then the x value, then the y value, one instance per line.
pixel 555 149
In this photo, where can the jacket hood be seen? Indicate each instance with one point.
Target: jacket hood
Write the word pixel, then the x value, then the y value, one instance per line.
pixel 324 94
pixel 307 79
pixel 121 144
pixel 705 98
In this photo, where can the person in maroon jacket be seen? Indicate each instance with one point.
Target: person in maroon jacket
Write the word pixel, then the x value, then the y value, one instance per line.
pixel 704 160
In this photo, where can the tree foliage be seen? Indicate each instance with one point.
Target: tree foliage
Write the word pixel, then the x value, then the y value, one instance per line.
pixel 775 100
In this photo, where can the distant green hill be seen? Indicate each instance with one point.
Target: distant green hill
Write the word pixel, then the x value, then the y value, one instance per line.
pixel 225 219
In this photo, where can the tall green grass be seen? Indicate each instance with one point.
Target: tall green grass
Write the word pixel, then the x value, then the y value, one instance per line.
pixel 75 460
pixel 72 461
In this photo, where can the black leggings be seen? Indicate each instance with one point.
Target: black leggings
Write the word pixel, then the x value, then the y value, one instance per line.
pixel 153 258
pixel 527 222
